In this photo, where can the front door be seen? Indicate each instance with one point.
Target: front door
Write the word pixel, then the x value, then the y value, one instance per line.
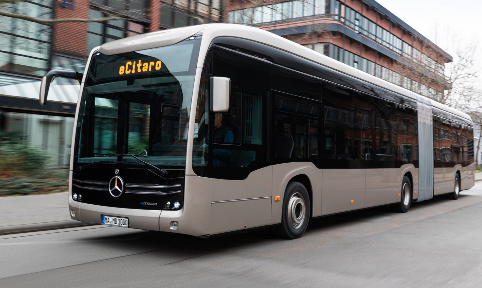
pixel 241 195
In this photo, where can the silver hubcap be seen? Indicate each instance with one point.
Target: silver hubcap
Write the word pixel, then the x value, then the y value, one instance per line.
pixel 296 210
pixel 457 187
pixel 406 194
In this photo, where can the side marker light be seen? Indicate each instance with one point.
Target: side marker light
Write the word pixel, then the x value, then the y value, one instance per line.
pixel 352 201
pixel 277 198
pixel 399 195
pixel 415 192
pixel 437 188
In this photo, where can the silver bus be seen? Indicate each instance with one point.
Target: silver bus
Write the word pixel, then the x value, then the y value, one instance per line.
pixel 216 128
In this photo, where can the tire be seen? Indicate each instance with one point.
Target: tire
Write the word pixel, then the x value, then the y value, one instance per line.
pixel 455 195
pixel 405 196
pixel 296 212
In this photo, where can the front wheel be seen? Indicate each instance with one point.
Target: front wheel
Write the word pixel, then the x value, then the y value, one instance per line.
pixel 455 195
pixel 405 196
pixel 296 211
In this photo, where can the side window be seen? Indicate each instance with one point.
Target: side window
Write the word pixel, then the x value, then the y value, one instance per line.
pixel 239 134
pixel 296 125
pixel 342 128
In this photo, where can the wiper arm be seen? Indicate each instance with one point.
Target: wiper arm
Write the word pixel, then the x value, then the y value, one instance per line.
pixel 161 171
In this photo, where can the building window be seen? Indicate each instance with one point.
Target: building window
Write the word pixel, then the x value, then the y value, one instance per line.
pixel 25 45
pixel 102 32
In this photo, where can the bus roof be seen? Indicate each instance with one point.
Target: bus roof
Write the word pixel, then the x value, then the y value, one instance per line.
pixel 211 31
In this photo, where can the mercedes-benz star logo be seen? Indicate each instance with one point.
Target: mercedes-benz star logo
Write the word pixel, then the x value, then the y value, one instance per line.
pixel 116 186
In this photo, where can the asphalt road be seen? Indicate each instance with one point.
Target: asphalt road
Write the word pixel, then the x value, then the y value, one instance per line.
pixel 438 243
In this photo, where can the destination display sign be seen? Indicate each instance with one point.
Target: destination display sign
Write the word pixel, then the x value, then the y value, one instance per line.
pixel 137 66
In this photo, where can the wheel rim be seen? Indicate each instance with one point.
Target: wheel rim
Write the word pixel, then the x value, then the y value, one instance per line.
pixel 296 210
pixel 457 186
pixel 406 194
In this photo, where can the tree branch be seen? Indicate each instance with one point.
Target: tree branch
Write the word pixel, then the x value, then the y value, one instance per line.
pixel 46 21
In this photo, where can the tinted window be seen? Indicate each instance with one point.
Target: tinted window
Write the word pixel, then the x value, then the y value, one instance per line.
pixel 232 144
pixel 295 128
pixel 293 83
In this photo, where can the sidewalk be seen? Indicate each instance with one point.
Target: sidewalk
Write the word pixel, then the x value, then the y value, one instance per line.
pixel 478 176
pixel 35 213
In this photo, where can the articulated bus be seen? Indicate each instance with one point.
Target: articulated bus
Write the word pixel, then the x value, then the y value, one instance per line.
pixel 211 129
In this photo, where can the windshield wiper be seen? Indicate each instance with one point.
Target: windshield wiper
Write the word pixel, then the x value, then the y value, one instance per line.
pixel 163 172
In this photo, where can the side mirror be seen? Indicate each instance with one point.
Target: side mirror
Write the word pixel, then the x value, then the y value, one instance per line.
pixel 49 77
pixel 220 89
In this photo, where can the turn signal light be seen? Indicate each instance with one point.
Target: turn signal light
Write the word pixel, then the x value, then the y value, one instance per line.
pixel 277 198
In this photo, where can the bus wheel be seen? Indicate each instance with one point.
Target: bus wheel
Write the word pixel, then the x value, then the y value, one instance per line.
pixel 296 211
pixel 455 195
pixel 405 196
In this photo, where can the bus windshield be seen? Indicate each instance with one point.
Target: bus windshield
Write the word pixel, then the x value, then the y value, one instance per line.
pixel 137 103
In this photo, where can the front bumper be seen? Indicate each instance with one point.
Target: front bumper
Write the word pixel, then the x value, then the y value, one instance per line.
pixel 193 219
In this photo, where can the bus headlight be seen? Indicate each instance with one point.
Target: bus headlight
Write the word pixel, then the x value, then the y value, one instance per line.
pixel 177 205
pixel 74 196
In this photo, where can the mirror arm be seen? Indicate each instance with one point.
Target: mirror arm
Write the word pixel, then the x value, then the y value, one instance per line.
pixel 50 76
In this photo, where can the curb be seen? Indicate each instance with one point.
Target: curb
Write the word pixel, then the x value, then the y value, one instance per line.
pixel 42 227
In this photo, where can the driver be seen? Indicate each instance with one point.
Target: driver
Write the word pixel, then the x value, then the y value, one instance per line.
pixel 223 133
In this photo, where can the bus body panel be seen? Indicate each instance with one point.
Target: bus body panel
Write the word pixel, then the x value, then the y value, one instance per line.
pixel 468 176
pixel 438 179
pixel 283 173
pixel 73 205
pixel 140 219
pixel 240 214
pixel 195 217
pixel 343 190
pixel 383 185
pixel 239 204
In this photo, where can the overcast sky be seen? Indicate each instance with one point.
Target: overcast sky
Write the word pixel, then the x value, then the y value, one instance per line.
pixel 457 22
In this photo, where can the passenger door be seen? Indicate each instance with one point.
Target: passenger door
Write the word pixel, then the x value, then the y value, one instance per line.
pixel 241 196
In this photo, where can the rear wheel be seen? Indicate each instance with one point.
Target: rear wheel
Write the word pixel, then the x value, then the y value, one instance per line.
pixel 296 212
pixel 455 195
pixel 405 196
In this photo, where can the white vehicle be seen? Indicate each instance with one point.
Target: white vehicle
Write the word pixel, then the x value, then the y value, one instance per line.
pixel 210 129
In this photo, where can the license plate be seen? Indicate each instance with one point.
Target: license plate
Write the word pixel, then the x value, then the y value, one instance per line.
pixel 115 221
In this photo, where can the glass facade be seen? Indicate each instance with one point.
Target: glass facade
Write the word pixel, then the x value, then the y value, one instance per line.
pixel 24 45
pixel 278 12
pixel 371 68
pixel 340 12
pixel 102 32
pixel 174 14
